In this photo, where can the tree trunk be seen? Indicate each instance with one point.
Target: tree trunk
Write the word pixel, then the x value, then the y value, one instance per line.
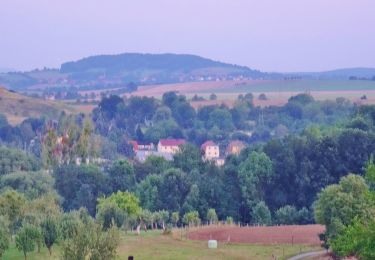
pixel 25 255
pixel 50 251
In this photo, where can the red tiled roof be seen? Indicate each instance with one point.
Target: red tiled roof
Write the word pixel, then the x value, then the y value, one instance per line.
pixel 134 144
pixel 172 142
pixel 207 143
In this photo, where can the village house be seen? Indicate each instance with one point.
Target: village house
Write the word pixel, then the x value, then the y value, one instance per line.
pixel 140 146
pixel 171 146
pixel 211 152
pixel 235 147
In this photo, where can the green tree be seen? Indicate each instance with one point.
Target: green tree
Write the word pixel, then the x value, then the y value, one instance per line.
pixel 25 239
pixel 229 220
pixel 164 217
pixel 173 189
pixel 188 158
pixel 260 214
pixel 212 216
pixel 32 184
pixel 156 218
pixel 357 239
pixel 254 173
pixel 127 202
pixel 80 186
pixel 191 218
pixel 339 204
pixel 83 145
pixel 148 191
pixel 103 244
pixel 175 217
pixel 162 113
pixel 220 118
pixel 69 225
pixel 77 246
pixel 122 176
pixel 49 144
pixel 12 160
pixel 192 200
pixel 213 96
pixel 109 213
pixel 286 215
pixel 50 232
pixel 147 219
pixel 4 236
pixel 12 206
pixel 124 200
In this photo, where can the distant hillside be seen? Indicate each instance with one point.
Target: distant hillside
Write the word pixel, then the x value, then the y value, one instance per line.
pixel 17 107
pixel 339 74
pixel 154 68
pixel 126 71
pixel 6 70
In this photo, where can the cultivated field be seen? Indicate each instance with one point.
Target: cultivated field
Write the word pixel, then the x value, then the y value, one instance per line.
pixel 277 91
pixel 293 234
pixel 154 245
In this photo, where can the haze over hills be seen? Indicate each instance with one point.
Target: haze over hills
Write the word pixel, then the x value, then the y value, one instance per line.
pixel 125 72
pixel 117 71
pixel 5 70
pixel 338 74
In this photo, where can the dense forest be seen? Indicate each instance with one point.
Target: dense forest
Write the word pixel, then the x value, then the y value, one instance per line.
pixel 293 152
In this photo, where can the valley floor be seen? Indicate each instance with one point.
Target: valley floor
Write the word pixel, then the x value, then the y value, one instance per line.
pixel 155 245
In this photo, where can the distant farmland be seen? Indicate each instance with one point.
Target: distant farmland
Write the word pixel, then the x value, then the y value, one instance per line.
pixel 17 107
pixel 277 91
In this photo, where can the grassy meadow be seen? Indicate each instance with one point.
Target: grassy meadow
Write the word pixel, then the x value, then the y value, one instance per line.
pixel 154 245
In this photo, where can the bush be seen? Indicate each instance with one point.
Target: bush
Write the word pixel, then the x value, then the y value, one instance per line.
pixel 262 97
pixel 229 221
pixel 286 215
pixel 261 215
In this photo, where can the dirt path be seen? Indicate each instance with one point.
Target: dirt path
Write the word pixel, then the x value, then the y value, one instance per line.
pixel 309 254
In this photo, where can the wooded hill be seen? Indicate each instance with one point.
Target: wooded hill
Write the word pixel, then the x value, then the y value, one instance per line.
pixel 113 71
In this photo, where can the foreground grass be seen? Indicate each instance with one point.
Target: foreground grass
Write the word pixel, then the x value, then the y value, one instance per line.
pixel 154 245
pixel 13 253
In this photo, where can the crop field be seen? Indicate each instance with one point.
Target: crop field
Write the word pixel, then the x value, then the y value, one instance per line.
pixel 277 91
pixel 281 98
pixel 155 245
pixel 293 234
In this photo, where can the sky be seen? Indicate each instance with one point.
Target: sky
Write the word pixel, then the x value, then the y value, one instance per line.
pixel 277 35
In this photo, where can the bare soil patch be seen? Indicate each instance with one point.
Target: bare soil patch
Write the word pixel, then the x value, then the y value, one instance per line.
pixel 293 234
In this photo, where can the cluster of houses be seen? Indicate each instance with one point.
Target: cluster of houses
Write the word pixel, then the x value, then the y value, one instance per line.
pixel 166 148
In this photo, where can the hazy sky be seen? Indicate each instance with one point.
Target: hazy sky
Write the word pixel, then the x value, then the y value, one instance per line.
pixel 277 35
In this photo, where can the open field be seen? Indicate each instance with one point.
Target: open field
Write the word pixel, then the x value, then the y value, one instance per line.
pixel 293 234
pixel 277 91
pixel 17 107
pixel 265 86
pixel 154 245
pixel 281 98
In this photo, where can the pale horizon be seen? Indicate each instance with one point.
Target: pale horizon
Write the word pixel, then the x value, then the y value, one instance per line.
pixel 287 36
